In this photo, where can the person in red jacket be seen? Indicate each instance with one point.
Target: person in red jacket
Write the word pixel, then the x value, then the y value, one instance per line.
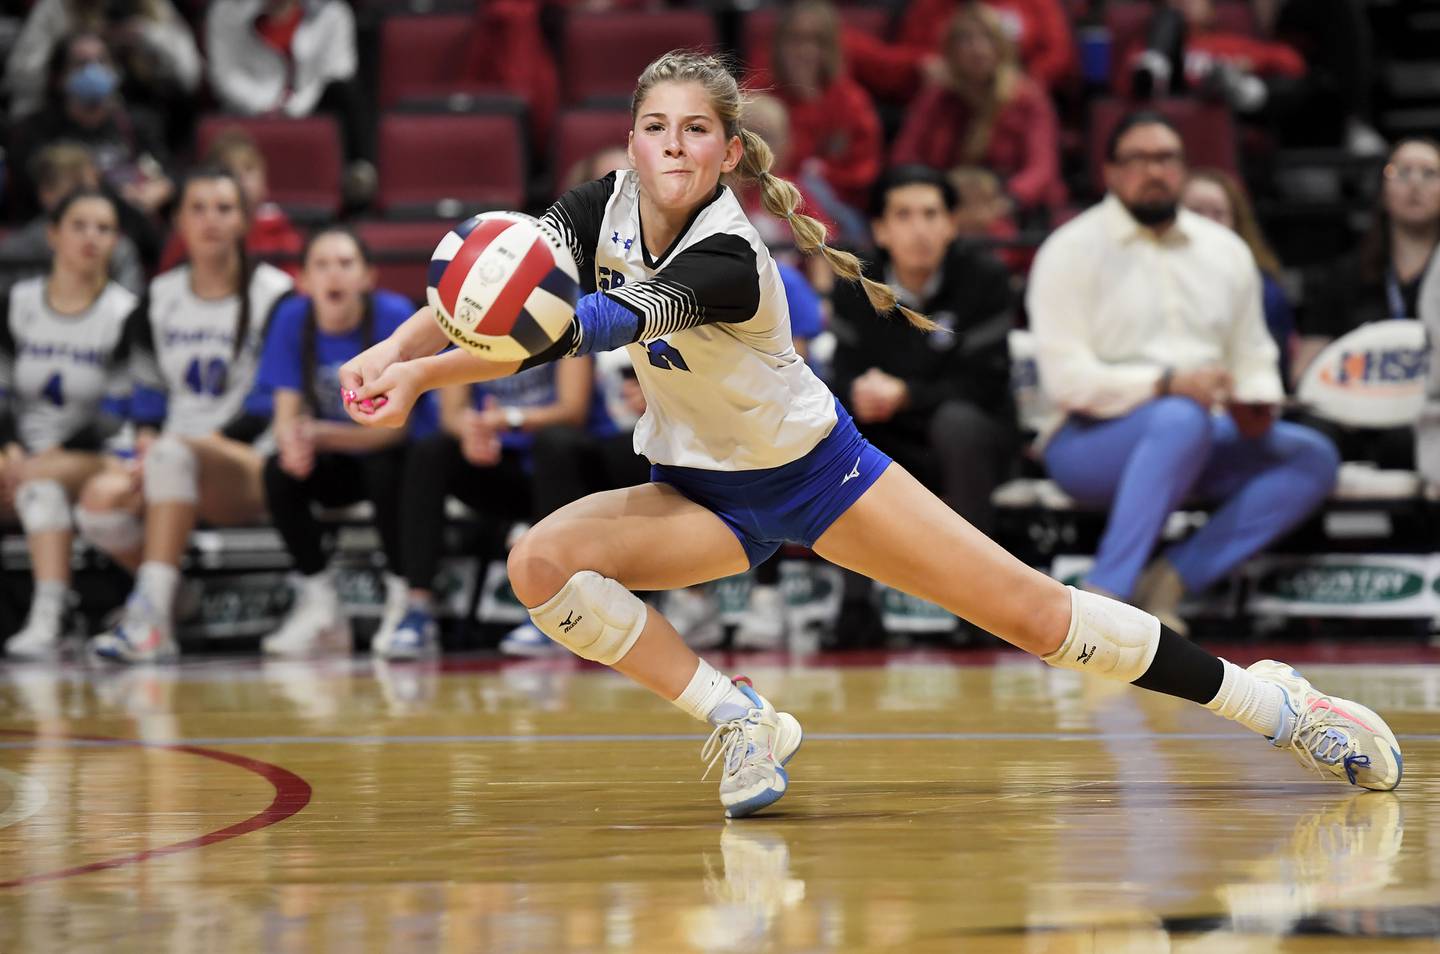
pixel 985 111
pixel 507 48
pixel 1039 29
pixel 834 129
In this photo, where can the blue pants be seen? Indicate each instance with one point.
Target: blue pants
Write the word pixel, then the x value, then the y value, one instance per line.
pixel 1144 465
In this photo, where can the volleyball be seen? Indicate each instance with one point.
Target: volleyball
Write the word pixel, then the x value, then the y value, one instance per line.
pixel 503 286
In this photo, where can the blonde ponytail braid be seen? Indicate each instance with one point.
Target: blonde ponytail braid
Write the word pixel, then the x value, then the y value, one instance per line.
pixel 781 198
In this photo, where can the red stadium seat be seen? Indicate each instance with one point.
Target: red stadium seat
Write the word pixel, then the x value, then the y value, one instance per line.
pixel 419 57
pixel 604 53
pixel 759 31
pixel 402 252
pixel 302 157
pixel 581 133
pixel 1207 129
pixel 471 161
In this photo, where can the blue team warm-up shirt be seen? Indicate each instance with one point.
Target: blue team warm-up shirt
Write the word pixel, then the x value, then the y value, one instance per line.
pixel 280 362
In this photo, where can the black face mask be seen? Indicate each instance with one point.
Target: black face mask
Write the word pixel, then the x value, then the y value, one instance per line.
pixel 1152 214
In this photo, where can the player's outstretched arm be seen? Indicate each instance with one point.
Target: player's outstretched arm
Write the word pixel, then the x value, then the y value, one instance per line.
pixel 418 336
pixel 402 383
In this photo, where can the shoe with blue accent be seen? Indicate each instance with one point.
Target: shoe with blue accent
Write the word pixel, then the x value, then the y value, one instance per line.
pixel 143 635
pixel 528 642
pixel 1333 736
pixel 755 750
pixel 415 637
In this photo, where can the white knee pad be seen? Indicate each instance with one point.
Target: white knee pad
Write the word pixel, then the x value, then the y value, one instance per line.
pixel 1107 638
pixel 592 616
pixel 42 506
pixel 171 472
pixel 113 531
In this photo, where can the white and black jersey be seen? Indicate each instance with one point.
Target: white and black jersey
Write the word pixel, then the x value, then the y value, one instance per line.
pixel 724 387
pixel 60 370
pixel 188 369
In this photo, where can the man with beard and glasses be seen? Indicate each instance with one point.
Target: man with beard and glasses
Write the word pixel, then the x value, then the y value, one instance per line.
pixel 1152 343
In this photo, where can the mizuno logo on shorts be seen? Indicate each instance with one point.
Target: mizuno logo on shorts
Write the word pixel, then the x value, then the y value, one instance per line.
pixel 855 472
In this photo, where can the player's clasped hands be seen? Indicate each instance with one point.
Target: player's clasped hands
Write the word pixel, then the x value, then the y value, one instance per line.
pixel 377 388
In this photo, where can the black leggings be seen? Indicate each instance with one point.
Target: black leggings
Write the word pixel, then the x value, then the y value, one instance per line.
pixel 437 469
pixel 338 480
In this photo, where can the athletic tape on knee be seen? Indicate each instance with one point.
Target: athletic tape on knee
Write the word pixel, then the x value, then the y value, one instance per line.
pixel 1107 638
pixel 42 506
pixel 114 531
pixel 592 616
pixel 171 472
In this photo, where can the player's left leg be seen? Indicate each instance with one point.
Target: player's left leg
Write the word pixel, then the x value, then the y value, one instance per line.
pixel 902 535
pixel 185 479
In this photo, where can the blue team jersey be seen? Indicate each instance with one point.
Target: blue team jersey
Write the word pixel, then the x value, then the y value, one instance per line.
pixel 281 361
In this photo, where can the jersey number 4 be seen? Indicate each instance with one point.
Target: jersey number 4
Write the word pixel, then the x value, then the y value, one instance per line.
pixel 208 378
pixel 54 390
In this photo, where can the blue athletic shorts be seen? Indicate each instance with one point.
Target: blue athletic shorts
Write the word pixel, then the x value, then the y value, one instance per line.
pixel 792 503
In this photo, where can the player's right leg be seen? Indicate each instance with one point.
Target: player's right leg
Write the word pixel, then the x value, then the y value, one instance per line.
pixel 48 482
pixel 576 569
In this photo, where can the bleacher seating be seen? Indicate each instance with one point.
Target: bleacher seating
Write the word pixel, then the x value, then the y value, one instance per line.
pixel 580 133
pixel 302 157
pixel 603 53
pixel 450 164
pixel 402 252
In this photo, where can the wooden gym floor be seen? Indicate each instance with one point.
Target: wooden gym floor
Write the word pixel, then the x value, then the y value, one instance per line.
pixel 973 802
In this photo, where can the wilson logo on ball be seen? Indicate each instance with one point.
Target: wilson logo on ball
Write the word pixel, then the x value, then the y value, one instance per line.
pixel 503 285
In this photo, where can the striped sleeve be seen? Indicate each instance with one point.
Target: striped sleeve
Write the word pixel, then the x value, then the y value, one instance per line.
pixel 714 280
pixel 577 216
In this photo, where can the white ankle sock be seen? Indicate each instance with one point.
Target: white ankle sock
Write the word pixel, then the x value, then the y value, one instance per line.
pixel 48 600
pixel 712 697
pixel 158 582
pixel 1254 703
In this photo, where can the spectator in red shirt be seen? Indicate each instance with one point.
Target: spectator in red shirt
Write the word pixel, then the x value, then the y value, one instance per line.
pixel 507 49
pixel 272 237
pixel 985 111
pixel 1039 29
pixel 834 130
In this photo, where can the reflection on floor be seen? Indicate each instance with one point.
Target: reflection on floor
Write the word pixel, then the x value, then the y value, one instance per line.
pixel 943 802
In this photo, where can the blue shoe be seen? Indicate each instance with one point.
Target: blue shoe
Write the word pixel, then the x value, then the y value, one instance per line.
pixel 527 641
pixel 755 750
pixel 416 636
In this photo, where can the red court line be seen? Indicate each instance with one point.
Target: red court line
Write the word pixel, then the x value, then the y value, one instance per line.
pixel 292 794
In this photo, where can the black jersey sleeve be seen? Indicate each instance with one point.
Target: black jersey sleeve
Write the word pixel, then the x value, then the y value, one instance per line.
pixel 577 216
pixel 714 280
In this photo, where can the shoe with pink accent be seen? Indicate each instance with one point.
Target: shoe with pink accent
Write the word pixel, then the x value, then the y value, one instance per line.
pixel 143 635
pixel 1331 735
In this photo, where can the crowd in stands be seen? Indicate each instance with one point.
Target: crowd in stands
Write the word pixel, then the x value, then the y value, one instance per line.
pixel 170 338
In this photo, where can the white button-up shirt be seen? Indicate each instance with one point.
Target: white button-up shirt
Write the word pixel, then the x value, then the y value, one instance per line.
pixel 1112 305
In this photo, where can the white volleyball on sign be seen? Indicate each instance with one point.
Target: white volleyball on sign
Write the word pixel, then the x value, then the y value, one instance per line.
pixel 503 286
pixel 1372 377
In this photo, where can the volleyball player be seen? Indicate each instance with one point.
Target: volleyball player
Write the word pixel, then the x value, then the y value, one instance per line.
pixel 63 375
pixel 194 343
pixel 749 450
